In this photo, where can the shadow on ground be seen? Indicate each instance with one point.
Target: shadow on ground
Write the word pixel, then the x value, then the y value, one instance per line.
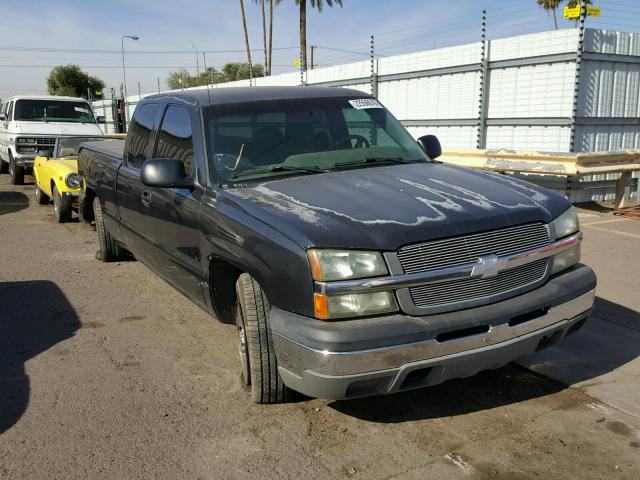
pixel 608 341
pixel 600 207
pixel 485 391
pixel 34 316
pixel 11 202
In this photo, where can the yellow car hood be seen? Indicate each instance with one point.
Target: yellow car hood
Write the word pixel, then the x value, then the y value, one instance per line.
pixel 64 167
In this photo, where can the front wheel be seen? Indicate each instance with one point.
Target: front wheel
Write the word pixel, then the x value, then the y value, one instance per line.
pixel 61 206
pixel 257 355
pixel 41 197
pixel 16 172
pixel 4 166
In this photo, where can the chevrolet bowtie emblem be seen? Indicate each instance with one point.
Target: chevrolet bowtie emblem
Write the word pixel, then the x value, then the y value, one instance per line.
pixel 487 267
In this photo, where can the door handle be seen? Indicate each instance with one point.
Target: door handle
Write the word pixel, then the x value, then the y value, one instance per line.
pixel 146 198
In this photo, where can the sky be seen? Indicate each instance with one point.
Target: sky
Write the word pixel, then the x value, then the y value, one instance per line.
pixel 89 33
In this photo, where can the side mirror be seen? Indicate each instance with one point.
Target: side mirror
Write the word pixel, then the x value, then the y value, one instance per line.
pixel 431 146
pixel 3 117
pixel 101 119
pixel 44 154
pixel 165 173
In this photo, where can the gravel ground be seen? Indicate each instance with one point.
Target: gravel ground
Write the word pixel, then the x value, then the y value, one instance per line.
pixel 108 372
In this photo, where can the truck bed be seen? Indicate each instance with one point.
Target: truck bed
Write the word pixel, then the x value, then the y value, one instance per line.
pixel 111 147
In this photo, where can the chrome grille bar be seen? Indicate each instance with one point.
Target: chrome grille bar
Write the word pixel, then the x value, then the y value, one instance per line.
pixel 466 270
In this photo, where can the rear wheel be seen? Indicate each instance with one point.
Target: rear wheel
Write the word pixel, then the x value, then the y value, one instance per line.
pixel 61 206
pixel 109 249
pixel 257 355
pixel 16 171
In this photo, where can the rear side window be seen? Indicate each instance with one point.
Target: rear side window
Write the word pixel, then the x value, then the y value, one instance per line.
pixel 139 134
pixel 176 138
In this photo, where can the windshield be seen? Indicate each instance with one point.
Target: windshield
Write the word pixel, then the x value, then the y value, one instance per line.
pixel 256 141
pixel 53 111
pixel 69 146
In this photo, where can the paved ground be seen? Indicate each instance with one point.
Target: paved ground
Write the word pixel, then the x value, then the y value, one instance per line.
pixel 107 372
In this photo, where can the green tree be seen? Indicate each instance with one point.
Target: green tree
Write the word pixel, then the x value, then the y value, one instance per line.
pixel 230 72
pixel 72 81
pixel 303 23
pixel 551 6
pixel 240 71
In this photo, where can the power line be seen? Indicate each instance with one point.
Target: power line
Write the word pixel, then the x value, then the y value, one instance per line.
pixel 129 52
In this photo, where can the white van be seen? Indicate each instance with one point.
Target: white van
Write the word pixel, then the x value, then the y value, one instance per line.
pixel 31 124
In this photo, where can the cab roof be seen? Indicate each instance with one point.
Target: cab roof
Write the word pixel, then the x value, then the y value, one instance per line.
pixel 229 95
pixel 43 97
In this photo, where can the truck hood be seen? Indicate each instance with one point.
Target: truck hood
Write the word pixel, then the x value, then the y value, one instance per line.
pixel 56 129
pixel 386 207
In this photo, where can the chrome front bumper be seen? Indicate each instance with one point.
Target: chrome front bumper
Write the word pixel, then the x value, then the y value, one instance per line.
pixel 24 159
pixel 328 373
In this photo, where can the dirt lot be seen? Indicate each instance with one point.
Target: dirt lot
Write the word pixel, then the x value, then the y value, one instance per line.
pixel 107 372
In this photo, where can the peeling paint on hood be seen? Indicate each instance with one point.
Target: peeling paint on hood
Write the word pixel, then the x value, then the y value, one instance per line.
pixel 386 207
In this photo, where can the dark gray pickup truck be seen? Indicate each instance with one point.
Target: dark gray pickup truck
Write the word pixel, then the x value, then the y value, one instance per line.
pixel 352 262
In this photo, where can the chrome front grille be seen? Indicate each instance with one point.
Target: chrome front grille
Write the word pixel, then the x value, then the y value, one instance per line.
pixel 467 249
pixel 46 144
pixel 478 289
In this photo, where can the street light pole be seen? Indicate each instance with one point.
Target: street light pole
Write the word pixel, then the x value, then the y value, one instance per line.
pixel 197 61
pixel 135 38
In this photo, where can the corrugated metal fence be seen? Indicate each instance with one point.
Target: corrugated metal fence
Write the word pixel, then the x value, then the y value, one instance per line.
pixel 514 93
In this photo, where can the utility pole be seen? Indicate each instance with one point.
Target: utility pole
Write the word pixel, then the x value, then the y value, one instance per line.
pixel 135 38
pixel 576 88
pixel 197 61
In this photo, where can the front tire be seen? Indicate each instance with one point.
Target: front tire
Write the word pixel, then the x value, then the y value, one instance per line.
pixel 109 249
pixel 16 172
pixel 41 197
pixel 257 355
pixel 4 166
pixel 61 206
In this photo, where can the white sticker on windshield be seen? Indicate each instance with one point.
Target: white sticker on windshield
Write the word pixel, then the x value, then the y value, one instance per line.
pixel 363 103
pixel 81 110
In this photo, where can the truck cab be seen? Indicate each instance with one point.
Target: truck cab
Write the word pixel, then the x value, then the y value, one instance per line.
pixel 31 124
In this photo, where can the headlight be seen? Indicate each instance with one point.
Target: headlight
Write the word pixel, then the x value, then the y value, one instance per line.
pixel 354 304
pixel 329 265
pixel 72 180
pixel 567 223
pixel 566 259
pixel 25 149
pixel 21 140
pixel 564 225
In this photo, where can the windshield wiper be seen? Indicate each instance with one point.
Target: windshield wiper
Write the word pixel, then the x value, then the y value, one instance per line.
pixel 374 160
pixel 279 168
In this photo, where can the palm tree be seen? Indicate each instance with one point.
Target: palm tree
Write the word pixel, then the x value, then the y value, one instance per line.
pixel 303 24
pixel 551 5
pixel 268 48
pixel 272 3
pixel 246 33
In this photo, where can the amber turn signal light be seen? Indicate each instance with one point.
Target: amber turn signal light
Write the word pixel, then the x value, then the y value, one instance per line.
pixel 320 306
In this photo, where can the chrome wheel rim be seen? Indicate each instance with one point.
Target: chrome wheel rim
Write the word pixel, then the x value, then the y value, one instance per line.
pixel 55 203
pixel 242 347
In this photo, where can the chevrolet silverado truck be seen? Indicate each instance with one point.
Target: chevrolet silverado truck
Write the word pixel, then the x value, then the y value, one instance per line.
pixel 30 125
pixel 351 261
